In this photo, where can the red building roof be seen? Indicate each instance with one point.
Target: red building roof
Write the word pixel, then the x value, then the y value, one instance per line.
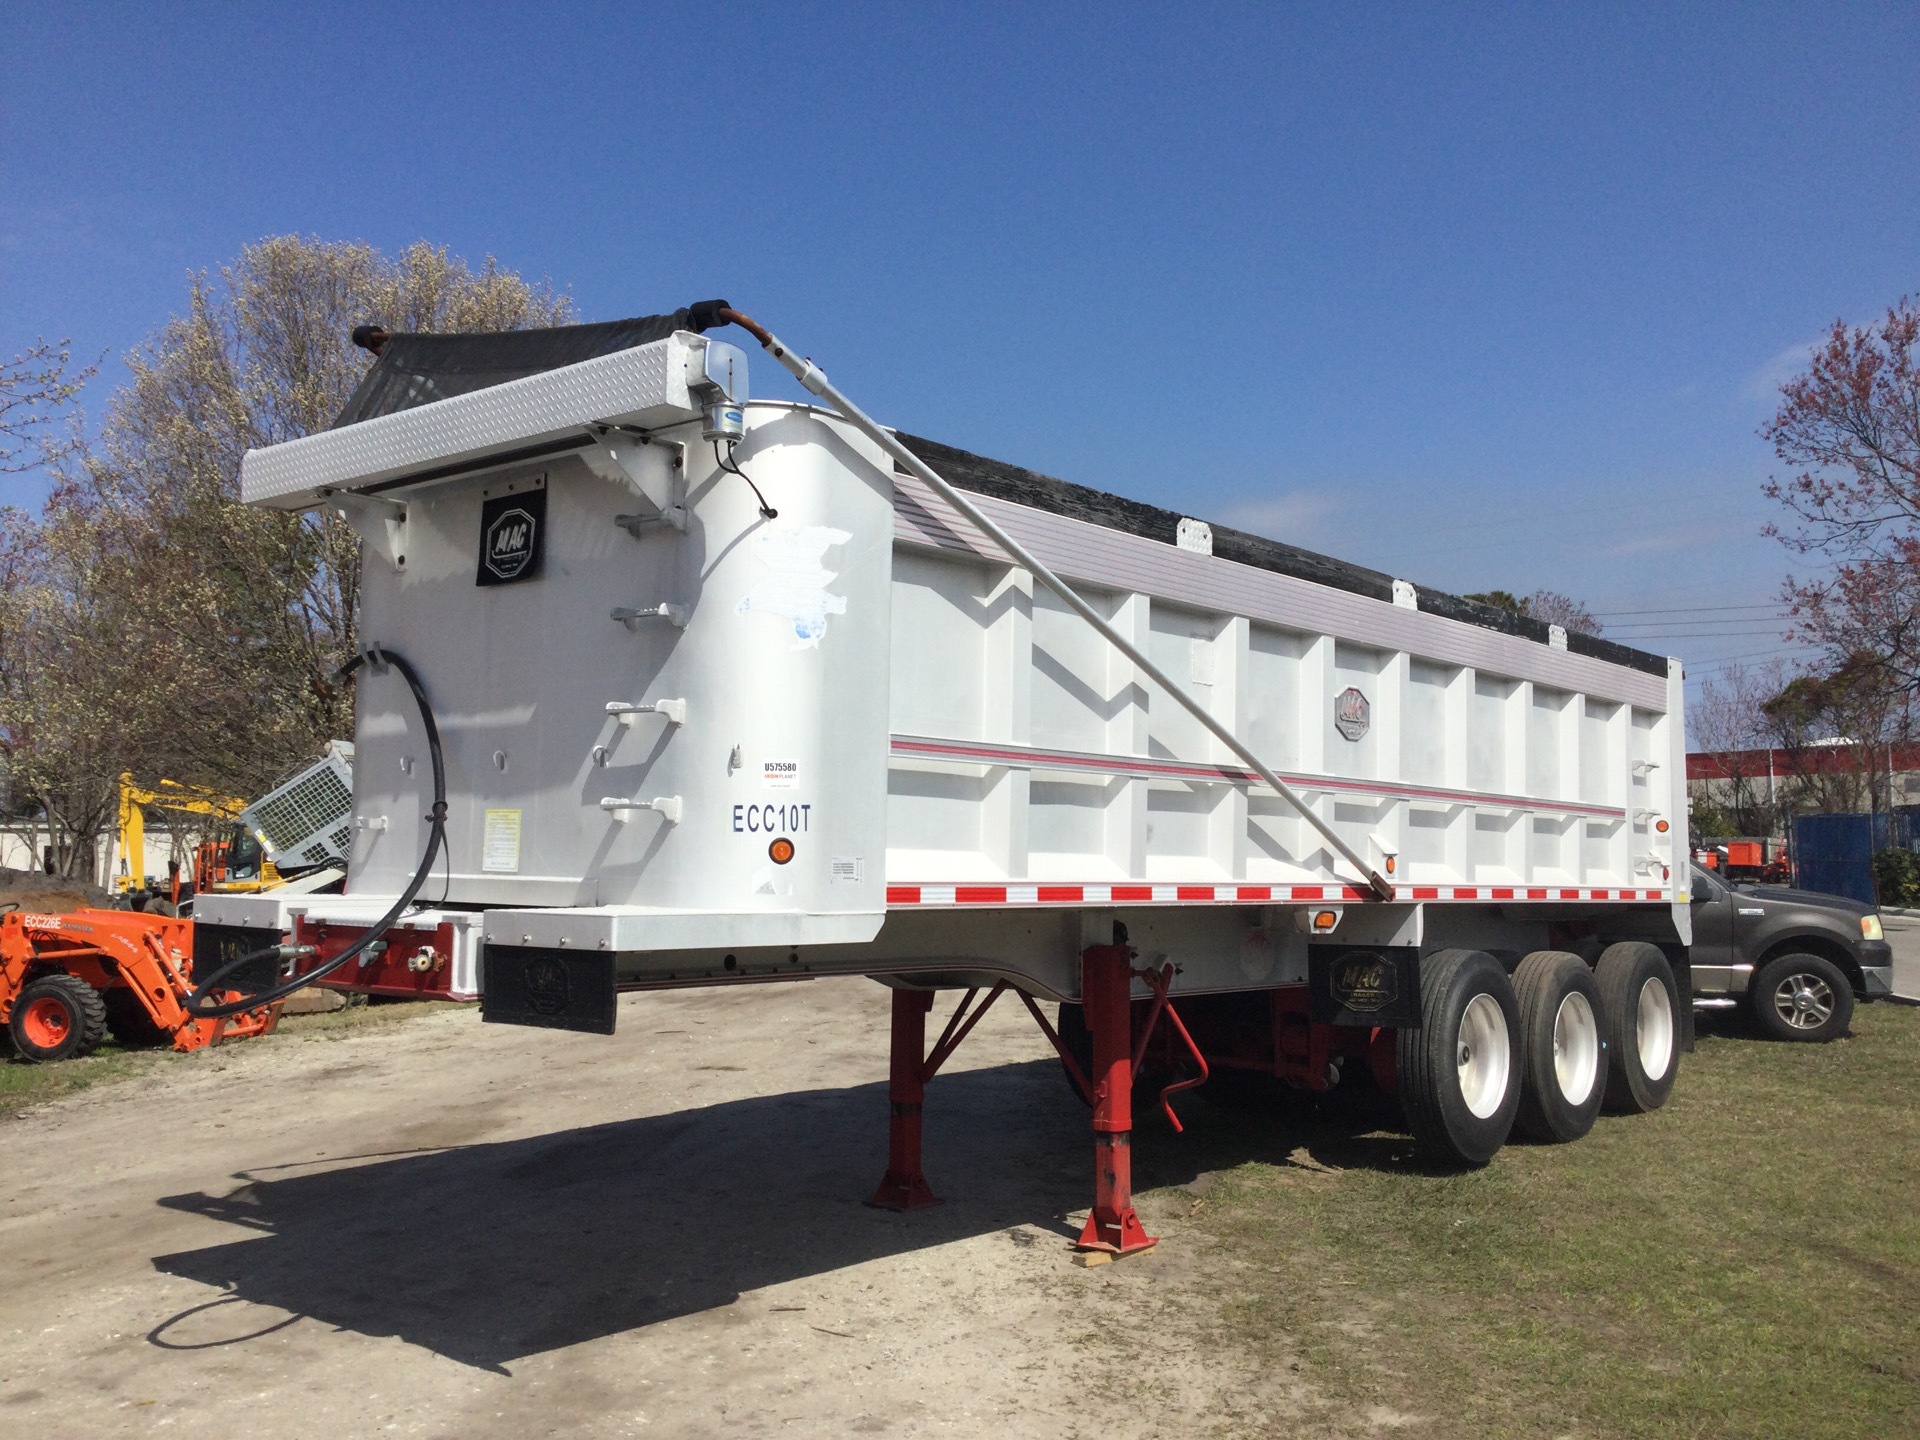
pixel 1785 764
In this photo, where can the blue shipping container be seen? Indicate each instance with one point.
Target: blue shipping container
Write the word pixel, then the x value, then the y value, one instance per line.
pixel 1834 853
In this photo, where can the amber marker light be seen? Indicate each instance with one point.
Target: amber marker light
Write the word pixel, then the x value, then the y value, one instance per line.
pixel 1662 826
pixel 780 851
pixel 1325 920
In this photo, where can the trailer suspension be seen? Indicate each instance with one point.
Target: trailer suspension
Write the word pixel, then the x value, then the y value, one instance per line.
pixel 1107 976
pixel 1159 981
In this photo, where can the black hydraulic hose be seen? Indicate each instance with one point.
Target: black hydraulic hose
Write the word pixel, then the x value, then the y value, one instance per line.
pixel 201 1003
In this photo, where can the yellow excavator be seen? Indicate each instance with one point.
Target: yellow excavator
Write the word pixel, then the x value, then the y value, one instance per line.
pixel 295 834
pixel 135 800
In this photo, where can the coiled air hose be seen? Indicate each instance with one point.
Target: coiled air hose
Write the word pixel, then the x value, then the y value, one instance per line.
pixel 201 1003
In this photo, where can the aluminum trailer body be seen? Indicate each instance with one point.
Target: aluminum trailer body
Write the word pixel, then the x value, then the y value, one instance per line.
pixel 686 743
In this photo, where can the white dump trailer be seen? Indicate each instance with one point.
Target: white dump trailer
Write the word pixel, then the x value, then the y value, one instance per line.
pixel 728 691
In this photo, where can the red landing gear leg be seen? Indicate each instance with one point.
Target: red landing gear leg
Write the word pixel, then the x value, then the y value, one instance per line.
pixel 905 1186
pixel 1106 981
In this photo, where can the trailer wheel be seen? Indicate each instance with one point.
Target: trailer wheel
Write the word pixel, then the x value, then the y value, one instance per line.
pixel 1641 1010
pixel 1801 997
pixel 1564 1074
pixel 57 1018
pixel 129 1021
pixel 1459 1071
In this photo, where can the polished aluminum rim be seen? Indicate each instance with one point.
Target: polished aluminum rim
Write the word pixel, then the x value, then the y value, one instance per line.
pixel 1484 1056
pixel 1655 1029
pixel 1803 1001
pixel 1576 1048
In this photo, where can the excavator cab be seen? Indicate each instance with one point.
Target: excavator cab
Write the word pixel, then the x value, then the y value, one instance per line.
pixel 235 860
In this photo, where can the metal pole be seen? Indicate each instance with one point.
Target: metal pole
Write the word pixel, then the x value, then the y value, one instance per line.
pixel 815 380
pixel 1106 987
pixel 904 1187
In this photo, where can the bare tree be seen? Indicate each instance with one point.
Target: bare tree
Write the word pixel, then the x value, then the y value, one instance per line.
pixel 1850 428
pixel 1554 608
pixel 1730 723
pixel 1835 730
pixel 74 701
pixel 151 622
pixel 1549 607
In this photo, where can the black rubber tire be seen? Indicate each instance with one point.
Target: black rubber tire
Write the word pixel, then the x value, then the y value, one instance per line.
pixel 1763 999
pixel 129 1021
pixel 1624 972
pixel 1544 982
pixel 86 1018
pixel 1077 1039
pixel 1445 1128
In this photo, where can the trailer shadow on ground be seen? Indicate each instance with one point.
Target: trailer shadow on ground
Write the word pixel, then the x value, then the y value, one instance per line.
pixel 489 1253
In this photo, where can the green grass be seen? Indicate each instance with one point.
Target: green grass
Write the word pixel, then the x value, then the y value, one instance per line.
pixel 1744 1262
pixel 24 1085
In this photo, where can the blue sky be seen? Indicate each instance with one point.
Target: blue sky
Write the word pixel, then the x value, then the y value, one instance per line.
pixel 1482 296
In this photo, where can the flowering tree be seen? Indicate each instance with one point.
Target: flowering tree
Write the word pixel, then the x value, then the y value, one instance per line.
pixel 1849 428
pixel 34 386
pixel 150 622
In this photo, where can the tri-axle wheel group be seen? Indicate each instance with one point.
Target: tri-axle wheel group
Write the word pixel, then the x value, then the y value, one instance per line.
pixel 1542 1051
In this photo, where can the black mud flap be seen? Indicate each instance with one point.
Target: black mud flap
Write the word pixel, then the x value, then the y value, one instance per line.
pixel 554 989
pixel 217 945
pixel 1680 960
pixel 1364 985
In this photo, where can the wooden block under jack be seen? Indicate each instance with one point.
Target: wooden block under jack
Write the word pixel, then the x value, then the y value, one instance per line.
pixel 1089 1258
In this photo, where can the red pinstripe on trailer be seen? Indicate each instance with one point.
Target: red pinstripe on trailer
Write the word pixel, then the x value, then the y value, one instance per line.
pixel 1035 757
pixel 1107 894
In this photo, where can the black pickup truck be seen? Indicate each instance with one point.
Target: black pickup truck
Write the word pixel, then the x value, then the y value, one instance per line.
pixel 1797 959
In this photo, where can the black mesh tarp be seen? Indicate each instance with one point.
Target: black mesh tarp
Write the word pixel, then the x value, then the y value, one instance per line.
pixel 418 369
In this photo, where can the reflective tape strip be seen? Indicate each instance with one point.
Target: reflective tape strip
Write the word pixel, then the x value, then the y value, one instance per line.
pixel 960 894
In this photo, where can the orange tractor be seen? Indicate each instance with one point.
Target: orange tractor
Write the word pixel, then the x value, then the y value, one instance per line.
pixel 65 980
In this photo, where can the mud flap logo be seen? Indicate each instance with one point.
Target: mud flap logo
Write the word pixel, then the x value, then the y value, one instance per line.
pixel 1363 982
pixel 546 986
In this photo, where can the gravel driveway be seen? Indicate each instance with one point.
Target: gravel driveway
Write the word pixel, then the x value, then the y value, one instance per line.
pixel 449 1229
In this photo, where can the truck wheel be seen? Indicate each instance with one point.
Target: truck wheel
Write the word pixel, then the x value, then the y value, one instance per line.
pixel 1564 1072
pixel 1640 1008
pixel 1459 1071
pixel 1801 997
pixel 129 1021
pixel 57 1018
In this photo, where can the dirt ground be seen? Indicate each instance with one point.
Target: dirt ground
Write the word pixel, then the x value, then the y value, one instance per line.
pixel 444 1228
pixel 30 890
